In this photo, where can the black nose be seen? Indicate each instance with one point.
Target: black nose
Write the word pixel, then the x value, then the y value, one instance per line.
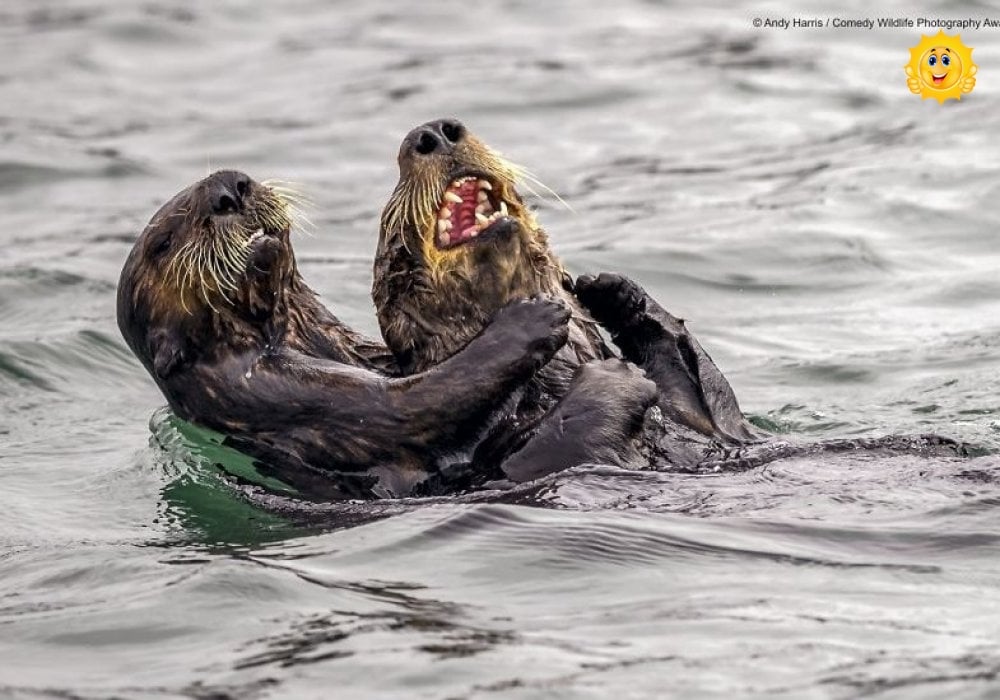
pixel 439 137
pixel 227 190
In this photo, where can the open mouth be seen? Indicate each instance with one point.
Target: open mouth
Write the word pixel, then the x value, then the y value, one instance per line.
pixel 470 206
pixel 938 78
pixel 256 236
pixel 263 233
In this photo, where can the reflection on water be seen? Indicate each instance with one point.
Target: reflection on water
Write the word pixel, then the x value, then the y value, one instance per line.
pixel 829 236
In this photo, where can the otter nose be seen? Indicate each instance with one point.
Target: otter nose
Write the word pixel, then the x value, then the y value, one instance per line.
pixel 440 137
pixel 227 190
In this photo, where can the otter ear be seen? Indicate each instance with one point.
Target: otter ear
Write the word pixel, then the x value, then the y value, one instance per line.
pixel 167 351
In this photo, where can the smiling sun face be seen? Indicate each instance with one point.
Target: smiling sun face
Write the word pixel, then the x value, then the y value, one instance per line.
pixel 941 67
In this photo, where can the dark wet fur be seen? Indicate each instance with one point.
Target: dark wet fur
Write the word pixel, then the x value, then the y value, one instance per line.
pixel 288 383
pixel 424 313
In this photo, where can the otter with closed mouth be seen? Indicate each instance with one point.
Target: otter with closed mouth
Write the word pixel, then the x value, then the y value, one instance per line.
pixel 211 302
pixel 457 242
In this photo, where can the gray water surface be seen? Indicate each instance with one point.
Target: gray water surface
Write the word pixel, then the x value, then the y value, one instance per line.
pixel 830 237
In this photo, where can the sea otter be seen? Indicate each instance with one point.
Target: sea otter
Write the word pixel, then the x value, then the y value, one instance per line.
pixel 211 302
pixel 457 243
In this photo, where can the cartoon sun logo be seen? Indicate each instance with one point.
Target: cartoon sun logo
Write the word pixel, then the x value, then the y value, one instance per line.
pixel 941 67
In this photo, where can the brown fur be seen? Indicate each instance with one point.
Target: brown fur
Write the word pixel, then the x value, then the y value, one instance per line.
pixel 430 301
pixel 238 343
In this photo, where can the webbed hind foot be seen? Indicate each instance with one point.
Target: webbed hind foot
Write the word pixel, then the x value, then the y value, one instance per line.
pixel 693 391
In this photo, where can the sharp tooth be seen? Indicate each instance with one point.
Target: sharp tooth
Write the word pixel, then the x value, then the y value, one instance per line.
pixel 445 212
pixel 452 197
pixel 444 238
pixel 482 197
pixel 484 185
pixel 481 219
pixel 503 208
pixel 481 209
pixel 443 225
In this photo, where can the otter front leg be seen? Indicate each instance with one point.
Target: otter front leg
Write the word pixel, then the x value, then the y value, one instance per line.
pixel 595 422
pixel 692 389
pixel 448 406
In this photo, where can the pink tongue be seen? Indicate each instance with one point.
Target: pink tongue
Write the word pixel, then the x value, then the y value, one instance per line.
pixel 463 217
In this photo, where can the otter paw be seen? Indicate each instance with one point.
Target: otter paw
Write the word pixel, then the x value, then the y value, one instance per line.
pixel 541 323
pixel 623 380
pixel 615 301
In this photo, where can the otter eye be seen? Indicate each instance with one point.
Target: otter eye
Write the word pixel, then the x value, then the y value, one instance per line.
pixel 946 60
pixel 932 61
pixel 162 244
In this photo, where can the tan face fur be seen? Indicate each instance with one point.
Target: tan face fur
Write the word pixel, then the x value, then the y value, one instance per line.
pixel 458 213
pixel 456 244
pixel 194 259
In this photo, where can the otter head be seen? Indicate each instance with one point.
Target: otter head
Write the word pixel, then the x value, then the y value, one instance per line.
pixel 457 217
pixel 210 268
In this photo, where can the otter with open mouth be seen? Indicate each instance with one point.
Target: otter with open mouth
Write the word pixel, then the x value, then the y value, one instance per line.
pixel 211 302
pixel 457 242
